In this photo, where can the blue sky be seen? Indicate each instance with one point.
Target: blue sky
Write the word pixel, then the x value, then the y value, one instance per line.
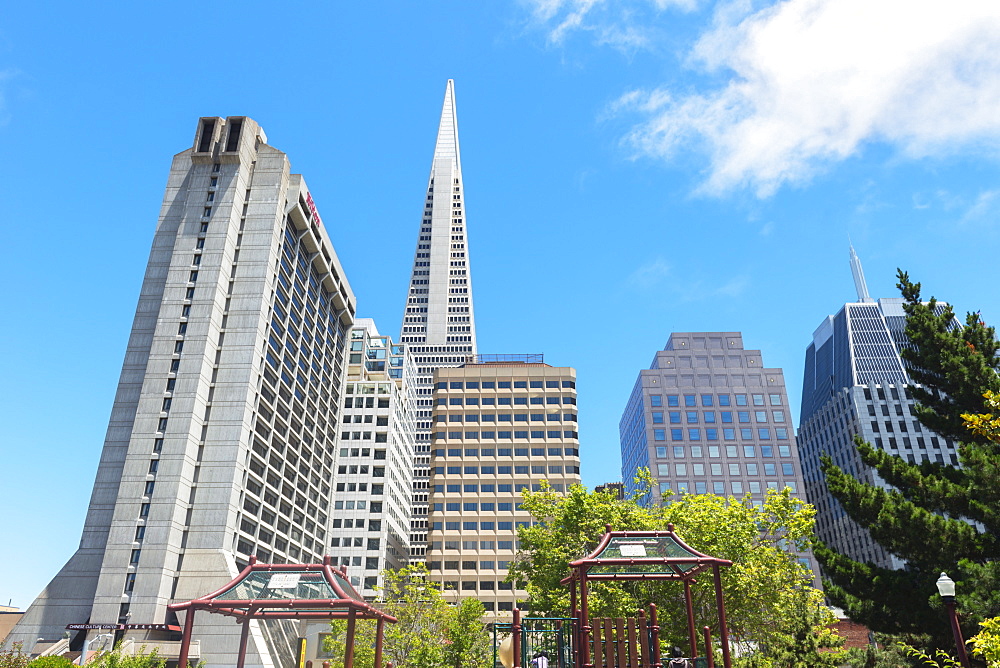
pixel 632 168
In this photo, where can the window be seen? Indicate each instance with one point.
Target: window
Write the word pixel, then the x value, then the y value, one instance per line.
pixel 673 400
pixel 775 399
pixel 741 400
pixel 786 469
pixel 690 400
pixel 760 416
pixel 706 400
pixel 758 400
pixel 694 434
pixel 656 400
pixel 676 434
pixel 692 417
pixel 657 417
pixel 675 417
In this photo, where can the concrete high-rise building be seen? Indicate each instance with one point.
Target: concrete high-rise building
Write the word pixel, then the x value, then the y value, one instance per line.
pixel 371 508
pixel 502 423
pixel 439 325
pixel 856 384
pixel 709 417
pixel 222 436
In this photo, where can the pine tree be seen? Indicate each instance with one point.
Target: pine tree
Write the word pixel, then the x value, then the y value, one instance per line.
pixel 923 518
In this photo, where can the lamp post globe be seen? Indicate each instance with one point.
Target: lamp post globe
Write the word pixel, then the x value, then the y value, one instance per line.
pixel 945 586
pixel 946 589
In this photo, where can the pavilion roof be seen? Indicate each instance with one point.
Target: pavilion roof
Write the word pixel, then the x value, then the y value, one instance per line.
pixel 287 591
pixel 635 555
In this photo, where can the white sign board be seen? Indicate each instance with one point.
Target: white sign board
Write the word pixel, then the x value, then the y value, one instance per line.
pixel 283 581
pixel 632 549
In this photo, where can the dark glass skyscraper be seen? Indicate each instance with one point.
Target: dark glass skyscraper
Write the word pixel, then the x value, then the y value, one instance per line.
pixel 855 384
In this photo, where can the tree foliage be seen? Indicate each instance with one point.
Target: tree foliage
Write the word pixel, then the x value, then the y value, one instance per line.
pixel 118 658
pixel 53 661
pixel 767 591
pixel 429 632
pixel 923 518
pixel 986 643
pixel 14 657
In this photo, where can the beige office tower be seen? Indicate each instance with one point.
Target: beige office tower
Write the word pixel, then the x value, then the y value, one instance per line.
pixel 439 326
pixel 371 507
pixel 502 424
pixel 222 434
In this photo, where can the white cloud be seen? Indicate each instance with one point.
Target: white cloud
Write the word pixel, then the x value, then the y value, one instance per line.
pixel 808 83
pixel 984 206
pixel 657 274
pixel 650 274
pixel 621 24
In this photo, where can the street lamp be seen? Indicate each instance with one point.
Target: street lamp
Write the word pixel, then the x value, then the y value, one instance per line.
pixel 946 588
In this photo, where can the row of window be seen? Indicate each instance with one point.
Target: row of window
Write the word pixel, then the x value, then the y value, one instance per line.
pixel 488 525
pixel 714 451
pixel 736 487
pixel 468 565
pixel 536 469
pixel 503 384
pixel 505 401
pixel 506 417
pixel 726 417
pixel 732 468
pixel 728 434
pixel 500 435
pixel 506 452
pixel 709 400
pixel 491 488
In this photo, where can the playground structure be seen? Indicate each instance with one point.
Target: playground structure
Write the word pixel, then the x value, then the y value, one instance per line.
pixel 286 591
pixel 623 642
pixel 321 591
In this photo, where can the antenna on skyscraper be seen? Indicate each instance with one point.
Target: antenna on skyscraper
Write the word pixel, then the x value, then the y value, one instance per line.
pixel 859 277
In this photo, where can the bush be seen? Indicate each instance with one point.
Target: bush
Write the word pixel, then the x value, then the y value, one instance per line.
pixel 50 662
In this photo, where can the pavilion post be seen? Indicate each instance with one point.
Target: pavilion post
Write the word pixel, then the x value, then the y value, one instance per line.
pixel 349 642
pixel 515 630
pixel 654 631
pixel 574 624
pixel 709 654
pixel 244 637
pixel 692 633
pixel 379 634
pixel 723 630
pixel 182 657
pixel 585 629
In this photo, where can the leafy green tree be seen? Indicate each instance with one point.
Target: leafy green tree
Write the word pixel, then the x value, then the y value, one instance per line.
pixel 986 643
pixel 468 641
pixel 922 520
pixel 51 662
pixel 429 632
pixel 767 591
pixel 118 658
pixel 14 657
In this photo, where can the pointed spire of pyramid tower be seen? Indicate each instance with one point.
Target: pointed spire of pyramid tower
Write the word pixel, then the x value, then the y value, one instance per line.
pixel 439 314
pixel 439 326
